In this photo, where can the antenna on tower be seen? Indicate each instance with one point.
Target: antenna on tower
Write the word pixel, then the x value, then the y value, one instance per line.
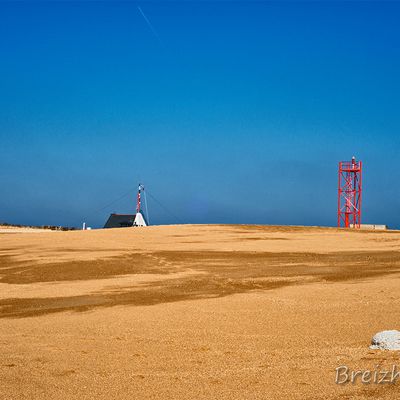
pixel 140 188
pixel 139 219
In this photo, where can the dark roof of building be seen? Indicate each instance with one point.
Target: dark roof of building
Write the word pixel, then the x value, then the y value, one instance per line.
pixel 120 221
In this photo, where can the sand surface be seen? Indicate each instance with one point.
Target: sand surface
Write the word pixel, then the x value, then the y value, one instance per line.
pixel 196 312
pixel 20 229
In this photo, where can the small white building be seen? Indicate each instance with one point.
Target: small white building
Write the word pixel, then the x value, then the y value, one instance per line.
pixel 139 220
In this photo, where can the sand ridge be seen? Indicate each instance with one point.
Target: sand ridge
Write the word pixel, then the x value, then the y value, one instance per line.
pixel 195 312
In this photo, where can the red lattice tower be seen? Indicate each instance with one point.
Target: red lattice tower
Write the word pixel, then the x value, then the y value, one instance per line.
pixel 349 196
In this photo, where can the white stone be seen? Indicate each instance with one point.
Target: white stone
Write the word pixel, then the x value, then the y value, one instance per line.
pixel 386 340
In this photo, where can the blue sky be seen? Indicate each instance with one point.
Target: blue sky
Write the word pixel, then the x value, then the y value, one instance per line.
pixel 231 112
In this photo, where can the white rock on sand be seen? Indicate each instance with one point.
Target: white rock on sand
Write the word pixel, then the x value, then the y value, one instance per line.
pixel 386 340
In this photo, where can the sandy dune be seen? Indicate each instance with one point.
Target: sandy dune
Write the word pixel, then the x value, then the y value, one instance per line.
pixel 20 229
pixel 196 312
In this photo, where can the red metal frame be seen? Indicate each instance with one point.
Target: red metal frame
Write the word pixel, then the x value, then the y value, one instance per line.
pixel 349 193
pixel 138 199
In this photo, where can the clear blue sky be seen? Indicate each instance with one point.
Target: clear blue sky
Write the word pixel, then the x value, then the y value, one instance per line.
pixel 232 112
